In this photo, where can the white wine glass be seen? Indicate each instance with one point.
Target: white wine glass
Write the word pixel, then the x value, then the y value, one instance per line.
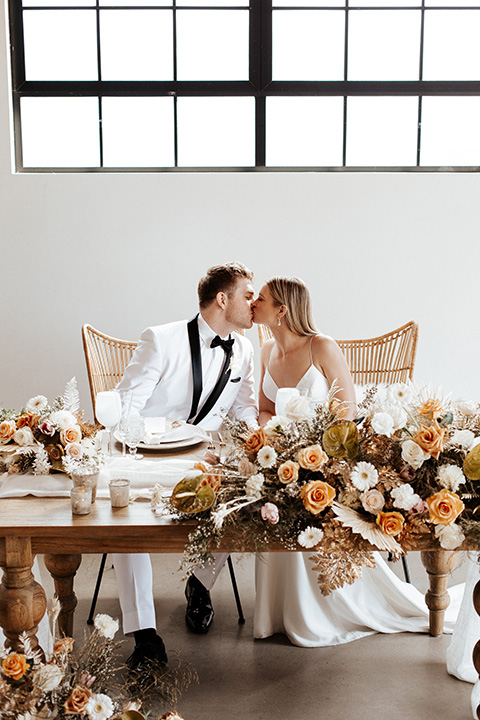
pixel 108 411
pixel 135 433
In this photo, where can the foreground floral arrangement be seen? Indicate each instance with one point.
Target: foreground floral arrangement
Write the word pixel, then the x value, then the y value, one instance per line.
pixel 405 474
pixel 42 437
pixel 85 685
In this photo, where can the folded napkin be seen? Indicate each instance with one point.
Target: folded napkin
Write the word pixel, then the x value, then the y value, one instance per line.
pixel 155 425
pixel 55 485
pixel 145 474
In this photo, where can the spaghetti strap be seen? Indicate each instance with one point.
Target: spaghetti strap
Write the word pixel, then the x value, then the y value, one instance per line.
pixel 311 356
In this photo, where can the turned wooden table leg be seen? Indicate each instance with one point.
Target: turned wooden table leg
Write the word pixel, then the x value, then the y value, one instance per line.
pixel 476 649
pixel 63 568
pixel 438 564
pixel 22 599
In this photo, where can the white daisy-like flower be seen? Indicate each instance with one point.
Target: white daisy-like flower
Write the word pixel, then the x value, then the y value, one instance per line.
pixel 254 486
pixel 404 497
pixel 383 424
pixel 99 707
pixel 36 404
pixel 364 476
pixel 400 393
pixel 449 536
pixel 464 438
pixel 267 457
pixel 310 537
pixel 276 423
pixel 450 477
pixel 63 419
pixel 106 625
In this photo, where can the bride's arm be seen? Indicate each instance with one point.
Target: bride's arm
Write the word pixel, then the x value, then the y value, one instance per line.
pixel 265 406
pixel 330 360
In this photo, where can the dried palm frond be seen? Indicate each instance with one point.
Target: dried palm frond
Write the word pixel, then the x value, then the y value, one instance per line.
pixel 369 531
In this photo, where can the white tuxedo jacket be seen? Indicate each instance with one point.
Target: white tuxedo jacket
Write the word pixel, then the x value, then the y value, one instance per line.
pixel 159 375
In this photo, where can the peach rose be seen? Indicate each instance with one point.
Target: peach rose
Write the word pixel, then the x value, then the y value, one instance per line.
pixel 317 495
pixel 431 409
pixel 74 450
pixel 210 477
pixel 445 507
pixel 71 435
pixel 288 472
pixel 7 430
pixel 256 440
pixel 63 646
pixel 390 522
pixel 431 439
pixel 15 666
pixel 28 419
pixel 77 701
pixel 312 457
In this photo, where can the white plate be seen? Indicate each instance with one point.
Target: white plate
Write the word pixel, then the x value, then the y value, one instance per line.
pixel 180 444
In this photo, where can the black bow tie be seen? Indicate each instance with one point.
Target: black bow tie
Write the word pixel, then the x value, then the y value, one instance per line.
pixel 226 344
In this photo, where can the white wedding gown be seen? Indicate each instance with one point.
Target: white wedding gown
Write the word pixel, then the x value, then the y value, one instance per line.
pixel 289 600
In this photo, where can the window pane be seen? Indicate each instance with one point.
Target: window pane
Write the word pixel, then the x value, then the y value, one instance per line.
pixel 308 45
pixel 309 3
pixel 212 44
pixel 138 132
pixel 136 44
pixel 304 131
pixel 450 131
pixel 384 45
pixel 132 3
pixel 60 45
pixel 382 131
pixel 58 3
pixel 452 3
pixel 213 3
pixel 451 45
pixel 387 3
pixel 60 132
pixel 216 132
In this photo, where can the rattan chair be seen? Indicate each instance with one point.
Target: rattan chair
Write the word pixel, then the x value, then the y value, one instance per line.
pixel 106 358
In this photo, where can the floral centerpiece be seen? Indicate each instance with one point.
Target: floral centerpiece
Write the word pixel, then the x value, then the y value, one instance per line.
pixel 43 437
pixel 404 474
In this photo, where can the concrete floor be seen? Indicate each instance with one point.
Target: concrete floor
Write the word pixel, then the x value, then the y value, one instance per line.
pixel 399 677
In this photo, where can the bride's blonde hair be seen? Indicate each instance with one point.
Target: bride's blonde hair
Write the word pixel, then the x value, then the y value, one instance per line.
pixel 293 293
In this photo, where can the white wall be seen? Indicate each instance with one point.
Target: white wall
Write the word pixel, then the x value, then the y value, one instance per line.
pixel 126 251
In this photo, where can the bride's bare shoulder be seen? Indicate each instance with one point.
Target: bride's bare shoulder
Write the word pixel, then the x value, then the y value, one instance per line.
pixel 324 346
pixel 266 349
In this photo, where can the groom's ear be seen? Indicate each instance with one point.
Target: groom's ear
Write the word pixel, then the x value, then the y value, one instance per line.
pixel 221 300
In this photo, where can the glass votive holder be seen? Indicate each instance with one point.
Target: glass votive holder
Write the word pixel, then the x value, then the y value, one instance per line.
pixel 119 492
pixel 81 498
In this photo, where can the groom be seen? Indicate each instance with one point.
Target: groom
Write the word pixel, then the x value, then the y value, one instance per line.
pixel 196 371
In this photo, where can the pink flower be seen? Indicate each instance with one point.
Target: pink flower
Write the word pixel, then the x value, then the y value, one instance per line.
pixel 47 428
pixel 420 507
pixel 269 513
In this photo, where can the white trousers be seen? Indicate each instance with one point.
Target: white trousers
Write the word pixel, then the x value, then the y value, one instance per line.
pixel 135 587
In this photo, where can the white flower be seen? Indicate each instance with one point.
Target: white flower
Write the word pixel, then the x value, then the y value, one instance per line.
pixel 267 456
pixel 99 707
pixel 413 454
pixel 449 536
pixel 400 393
pixel 219 515
pixel 36 404
pixel 450 477
pixel 254 486
pixel 464 438
pixel 47 678
pixel 404 497
pixel 276 423
pixel 88 447
pixel 299 408
pixel 372 501
pixel 63 419
pixel 23 436
pixel 310 537
pixel 364 476
pixel 467 407
pixel 399 416
pixel 106 626
pixel 383 423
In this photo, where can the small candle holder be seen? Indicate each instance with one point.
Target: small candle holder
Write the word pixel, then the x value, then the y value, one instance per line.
pixel 119 492
pixel 81 498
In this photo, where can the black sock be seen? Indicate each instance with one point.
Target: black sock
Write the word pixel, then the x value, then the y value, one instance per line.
pixel 145 635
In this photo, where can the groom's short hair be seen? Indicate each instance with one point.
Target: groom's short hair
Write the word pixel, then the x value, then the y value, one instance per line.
pixel 221 278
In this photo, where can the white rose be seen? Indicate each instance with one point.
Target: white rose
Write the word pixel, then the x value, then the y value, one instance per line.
pixel 413 454
pixel 63 419
pixel 399 416
pixel 47 678
pixel 383 423
pixel 372 501
pixel 106 626
pixel 254 486
pixel 449 536
pixel 450 477
pixel 36 404
pixel 467 407
pixel 23 436
pixel 464 438
pixel 299 408
pixel 404 497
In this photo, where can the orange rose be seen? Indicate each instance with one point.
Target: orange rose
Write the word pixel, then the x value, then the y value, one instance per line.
pixel 256 440
pixel 431 439
pixel 210 477
pixel 288 472
pixel 77 701
pixel 28 419
pixel 317 495
pixel 445 507
pixel 71 435
pixel 7 430
pixel 312 457
pixel 390 522
pixel 431 409
pixel 15 666
pixel 63 646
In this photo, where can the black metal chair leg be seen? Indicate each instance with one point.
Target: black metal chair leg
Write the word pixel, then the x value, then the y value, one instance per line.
pixel 97 588
pixel 241 618
pixel 406 571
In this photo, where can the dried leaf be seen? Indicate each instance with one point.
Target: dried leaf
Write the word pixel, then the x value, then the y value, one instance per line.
pixel 369 531
pixel 71 396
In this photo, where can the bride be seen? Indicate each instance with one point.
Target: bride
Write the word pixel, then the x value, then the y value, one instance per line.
pixel 288 599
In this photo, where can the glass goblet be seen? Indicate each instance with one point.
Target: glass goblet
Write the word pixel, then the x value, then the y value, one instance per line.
pixel 135 433
pixel 108 411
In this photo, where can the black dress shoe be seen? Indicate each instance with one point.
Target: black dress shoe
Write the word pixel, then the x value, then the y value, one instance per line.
pixel 147 653
pixel 199 614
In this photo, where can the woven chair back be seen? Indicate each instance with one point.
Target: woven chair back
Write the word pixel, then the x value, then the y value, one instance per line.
pixel 388 358
pixel 106 358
